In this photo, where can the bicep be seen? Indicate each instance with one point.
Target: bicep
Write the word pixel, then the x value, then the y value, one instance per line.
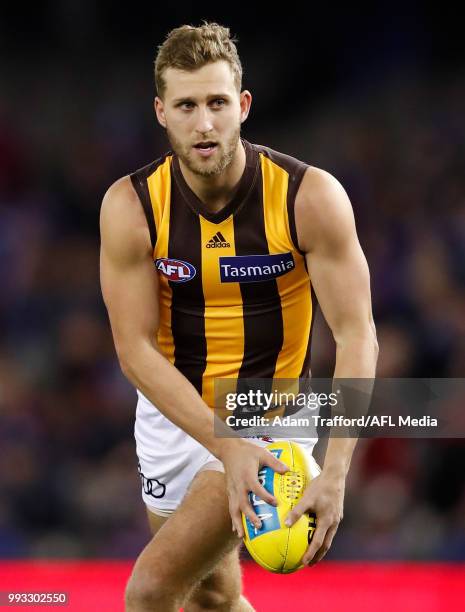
pixel 128 278
pixel 130 295
pixel 336 263
pixel 342 285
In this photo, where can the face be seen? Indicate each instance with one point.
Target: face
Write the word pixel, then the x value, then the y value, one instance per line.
pixel 203 106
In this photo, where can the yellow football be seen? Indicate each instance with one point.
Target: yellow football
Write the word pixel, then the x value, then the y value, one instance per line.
pixel 275 546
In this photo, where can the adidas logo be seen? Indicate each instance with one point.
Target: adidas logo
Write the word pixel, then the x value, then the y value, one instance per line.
pixel 217 242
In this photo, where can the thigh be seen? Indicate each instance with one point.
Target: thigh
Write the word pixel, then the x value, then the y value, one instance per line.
pixel 189 544
pixel 220 587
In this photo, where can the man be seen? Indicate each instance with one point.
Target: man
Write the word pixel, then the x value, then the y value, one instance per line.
pixel 200 212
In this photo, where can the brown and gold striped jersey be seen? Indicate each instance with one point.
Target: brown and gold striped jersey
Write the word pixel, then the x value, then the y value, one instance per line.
pixel 235 296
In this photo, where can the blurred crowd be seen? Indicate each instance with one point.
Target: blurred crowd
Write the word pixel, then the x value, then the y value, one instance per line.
pixel 69 483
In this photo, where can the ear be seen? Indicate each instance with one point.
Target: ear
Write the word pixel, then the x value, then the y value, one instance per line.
pixel 159 111
pixel 245 103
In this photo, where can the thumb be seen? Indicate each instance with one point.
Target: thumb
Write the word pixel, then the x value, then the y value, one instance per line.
pixel 275 464
pixel 295 513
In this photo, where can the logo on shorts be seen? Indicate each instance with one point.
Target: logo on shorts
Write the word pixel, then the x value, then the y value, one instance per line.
pixel 255 268
pixel 151 486
pixel 175 270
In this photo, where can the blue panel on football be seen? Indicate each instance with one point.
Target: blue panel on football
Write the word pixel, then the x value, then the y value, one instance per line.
pixel 267 514
pixel 269 518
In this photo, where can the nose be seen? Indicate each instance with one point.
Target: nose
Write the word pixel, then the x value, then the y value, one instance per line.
pixel 204 123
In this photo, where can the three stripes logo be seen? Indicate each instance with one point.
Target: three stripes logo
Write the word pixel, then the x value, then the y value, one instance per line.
pixel 217 242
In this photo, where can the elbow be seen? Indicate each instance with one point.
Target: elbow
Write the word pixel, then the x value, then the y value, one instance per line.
pixel 362 338
pixel 133 357
pixel 127 358
pixel 374 340
pixel 375 350
pixel 126 365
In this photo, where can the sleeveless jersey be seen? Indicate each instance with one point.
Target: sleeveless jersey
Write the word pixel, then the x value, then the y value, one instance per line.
pixel 235 296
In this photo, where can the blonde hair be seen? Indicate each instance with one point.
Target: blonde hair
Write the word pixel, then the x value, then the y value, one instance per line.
pixel 190 48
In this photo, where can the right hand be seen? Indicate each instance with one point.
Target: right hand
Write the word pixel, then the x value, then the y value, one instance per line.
pixel 242 461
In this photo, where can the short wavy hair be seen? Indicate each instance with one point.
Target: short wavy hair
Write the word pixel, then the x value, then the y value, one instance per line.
pixel 190 48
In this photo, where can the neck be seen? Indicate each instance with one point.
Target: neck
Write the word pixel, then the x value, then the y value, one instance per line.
pixel 217 190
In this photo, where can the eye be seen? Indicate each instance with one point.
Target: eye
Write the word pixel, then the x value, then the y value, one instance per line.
pixel 219 102
pixel 185 105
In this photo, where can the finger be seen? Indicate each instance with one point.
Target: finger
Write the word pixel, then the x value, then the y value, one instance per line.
pixel 328 540
pixel 317 541
pixel 261 493
pixel 236 518
pixel 296 512
pixel 275 464
pixel 247 509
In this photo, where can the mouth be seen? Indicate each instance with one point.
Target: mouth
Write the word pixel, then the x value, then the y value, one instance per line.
pixel 205 145
pixel 206 148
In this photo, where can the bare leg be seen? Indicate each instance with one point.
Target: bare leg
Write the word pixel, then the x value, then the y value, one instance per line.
pixel 220 591
pixel 192 557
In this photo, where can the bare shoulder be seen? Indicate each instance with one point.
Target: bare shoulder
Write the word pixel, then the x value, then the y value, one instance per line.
pixel 123 227
pixel 323 212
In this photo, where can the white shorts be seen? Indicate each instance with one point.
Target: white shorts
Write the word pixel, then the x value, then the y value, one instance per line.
pixel 169 458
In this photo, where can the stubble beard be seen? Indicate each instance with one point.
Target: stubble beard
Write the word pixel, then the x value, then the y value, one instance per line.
pixel 206 167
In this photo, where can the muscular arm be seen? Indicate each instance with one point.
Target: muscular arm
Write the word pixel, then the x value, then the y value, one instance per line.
pixel 339 274
pixel 130 291
pixel 338 271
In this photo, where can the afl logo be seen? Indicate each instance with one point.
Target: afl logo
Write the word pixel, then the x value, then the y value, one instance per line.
pixel 175 270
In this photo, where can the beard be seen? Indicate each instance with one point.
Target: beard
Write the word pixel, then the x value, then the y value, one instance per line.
pixel 221 158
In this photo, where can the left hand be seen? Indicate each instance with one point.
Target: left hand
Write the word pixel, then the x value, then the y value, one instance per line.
pixel 325 497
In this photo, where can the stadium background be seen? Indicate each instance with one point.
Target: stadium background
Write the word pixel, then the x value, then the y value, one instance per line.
pixel 376 98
